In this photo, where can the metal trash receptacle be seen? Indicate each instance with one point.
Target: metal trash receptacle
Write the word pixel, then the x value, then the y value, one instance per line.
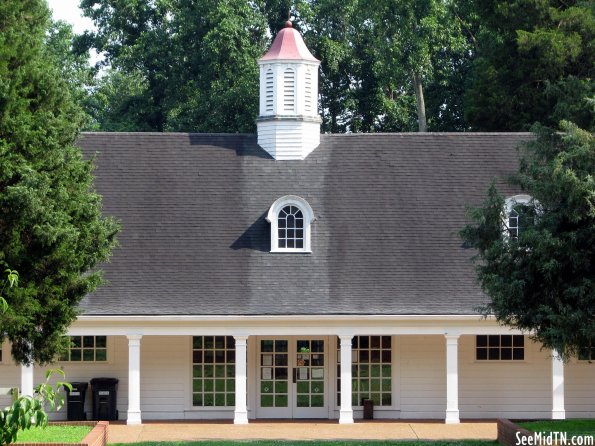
pixel 104 399
pixel 75 401
pixel 368 408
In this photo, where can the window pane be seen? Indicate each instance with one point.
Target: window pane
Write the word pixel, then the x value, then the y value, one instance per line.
pixel 88 354
pixel 299 244
pixel 506 340
pixel 481 341
pixel 100 341
pixel 518 354
pixel 494 341
pixel 75 354
pixel 88 341
pixel 481 353
pixel 506 354
pixel 494 353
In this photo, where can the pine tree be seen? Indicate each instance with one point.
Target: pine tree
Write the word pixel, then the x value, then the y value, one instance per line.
pixel 51 228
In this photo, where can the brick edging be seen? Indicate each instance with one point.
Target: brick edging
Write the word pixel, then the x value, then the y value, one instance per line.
pixel 97 436
pixel 508 432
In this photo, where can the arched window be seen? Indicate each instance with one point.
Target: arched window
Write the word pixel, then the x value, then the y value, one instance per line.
pixel 289 90
pixel 290 218
pixel 269 91
pixel 519 215
pixel 290 224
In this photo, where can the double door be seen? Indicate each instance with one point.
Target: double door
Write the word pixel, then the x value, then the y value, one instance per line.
pixel 292 378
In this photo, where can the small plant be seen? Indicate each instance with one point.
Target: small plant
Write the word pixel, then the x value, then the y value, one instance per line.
pixel 29 411
pixel 12 279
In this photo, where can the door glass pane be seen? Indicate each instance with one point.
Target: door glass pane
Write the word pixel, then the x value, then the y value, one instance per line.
pixel 273 373
pixel 310 377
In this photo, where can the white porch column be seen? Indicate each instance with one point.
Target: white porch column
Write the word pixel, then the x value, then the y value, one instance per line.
pixel 240 415
pixel 558 411
pixel 452 379
pixel 26 380
pixel 346 413
pixel 134 415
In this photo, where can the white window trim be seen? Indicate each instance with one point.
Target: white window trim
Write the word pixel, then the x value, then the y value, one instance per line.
pixel 272 218
pixel 109 349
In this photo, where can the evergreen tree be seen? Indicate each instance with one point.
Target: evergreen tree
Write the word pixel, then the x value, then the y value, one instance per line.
pixel 51 228
pixel 543 280
pixel 534 63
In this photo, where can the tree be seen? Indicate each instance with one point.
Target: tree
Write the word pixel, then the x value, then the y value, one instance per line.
pixel 51 228
pixel 380 59
pixel 543 281
pixel 193 63
pixel 534 63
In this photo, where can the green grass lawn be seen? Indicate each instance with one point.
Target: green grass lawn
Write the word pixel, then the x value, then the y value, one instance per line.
pixel 573 427
pixel 63 434
pixel 311 443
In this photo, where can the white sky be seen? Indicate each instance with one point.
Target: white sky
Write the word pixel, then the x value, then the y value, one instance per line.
pixel 68 10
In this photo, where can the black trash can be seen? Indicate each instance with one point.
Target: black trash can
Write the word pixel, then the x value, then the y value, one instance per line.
pixel 104 399
pixel 75 401
pixel 368 408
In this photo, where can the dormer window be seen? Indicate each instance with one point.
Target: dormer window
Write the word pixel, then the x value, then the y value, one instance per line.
pixel 291 228
pixel 518 216
pixel 290 218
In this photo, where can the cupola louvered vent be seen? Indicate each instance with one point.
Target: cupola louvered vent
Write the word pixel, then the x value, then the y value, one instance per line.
pixel 289 90
pixel 308 92
pixel 269 91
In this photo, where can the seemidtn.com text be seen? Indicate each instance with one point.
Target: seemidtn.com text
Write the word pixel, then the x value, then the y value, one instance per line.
pixel 554 439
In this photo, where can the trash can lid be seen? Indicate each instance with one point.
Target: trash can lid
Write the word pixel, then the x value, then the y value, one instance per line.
pixel 104 381
pixel 77 385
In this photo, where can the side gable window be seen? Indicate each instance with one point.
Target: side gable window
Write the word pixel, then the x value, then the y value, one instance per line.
pixel 290 218
pixel 518 216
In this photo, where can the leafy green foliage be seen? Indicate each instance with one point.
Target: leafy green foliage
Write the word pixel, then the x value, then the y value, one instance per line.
pixel 534 63
pixel 29 411
pixel 178 65
pixel 12 279
pixel 544 280
pixel 371 53
pixel 51 227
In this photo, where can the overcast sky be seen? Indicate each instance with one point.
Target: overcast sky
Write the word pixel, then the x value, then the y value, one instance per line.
pixel 68 10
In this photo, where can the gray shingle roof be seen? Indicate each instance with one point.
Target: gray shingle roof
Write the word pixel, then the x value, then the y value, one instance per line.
pixel 388 207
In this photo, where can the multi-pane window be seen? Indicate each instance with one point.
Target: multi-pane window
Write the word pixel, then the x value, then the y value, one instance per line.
pixel 587 354
pixel 86 349
pixel 290 224
pixel 371 359
pixel 274 373
pixel 500 347
pixel 213 371
pixel 517 221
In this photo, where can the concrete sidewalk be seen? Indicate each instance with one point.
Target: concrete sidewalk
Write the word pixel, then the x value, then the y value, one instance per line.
pixel 312 430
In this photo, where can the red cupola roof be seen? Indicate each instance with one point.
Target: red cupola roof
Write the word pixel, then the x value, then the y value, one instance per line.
pixel 289 45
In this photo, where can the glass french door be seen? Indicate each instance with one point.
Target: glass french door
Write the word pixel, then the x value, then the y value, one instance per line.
pixel 292 378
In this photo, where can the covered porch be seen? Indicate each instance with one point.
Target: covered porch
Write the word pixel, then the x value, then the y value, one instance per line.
pixel 252 368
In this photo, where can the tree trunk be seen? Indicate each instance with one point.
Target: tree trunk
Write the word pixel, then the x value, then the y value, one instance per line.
pixel 419 99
